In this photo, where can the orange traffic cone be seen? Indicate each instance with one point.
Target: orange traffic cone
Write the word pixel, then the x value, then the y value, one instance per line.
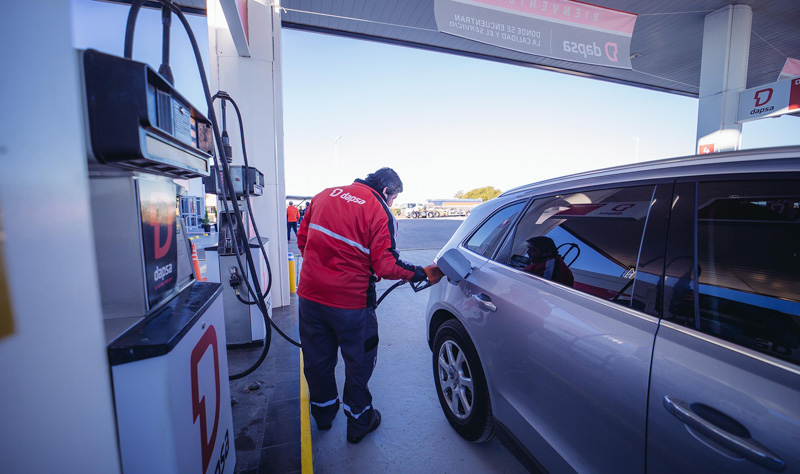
pixel 196 264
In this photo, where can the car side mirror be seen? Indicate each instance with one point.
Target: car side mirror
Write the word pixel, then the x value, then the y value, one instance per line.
pixel 455 266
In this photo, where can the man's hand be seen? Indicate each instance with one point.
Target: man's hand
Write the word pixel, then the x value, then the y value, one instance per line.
pixel 433 273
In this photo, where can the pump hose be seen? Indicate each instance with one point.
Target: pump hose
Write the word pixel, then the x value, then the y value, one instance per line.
pixel 229 183
pixel 391 288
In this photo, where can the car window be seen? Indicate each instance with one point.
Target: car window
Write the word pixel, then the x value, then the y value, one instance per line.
pixel 597 235
pixel 748 266
pixel 489 235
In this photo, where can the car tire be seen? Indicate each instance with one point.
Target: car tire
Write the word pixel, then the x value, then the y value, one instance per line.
pixel 436 214
pixel 430 214
pixel 457 370
pixel 414 215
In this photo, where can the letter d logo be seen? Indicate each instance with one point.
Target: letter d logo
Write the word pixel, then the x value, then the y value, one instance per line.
pixel 161 215
pixel 760 95
pixel 207 341
pixel 336 192
pixel 611 51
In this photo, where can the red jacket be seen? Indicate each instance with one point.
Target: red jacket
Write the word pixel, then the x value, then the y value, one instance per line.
pixel 552 269
pixel 292 214
pixel 347 239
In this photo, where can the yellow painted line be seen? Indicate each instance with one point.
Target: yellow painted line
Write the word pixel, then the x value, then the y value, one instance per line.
pixel 306 457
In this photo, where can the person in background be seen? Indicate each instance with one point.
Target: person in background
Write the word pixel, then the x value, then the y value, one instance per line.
pixel 302 214
pixel 546 262
pixel 347 240
pixel 292 216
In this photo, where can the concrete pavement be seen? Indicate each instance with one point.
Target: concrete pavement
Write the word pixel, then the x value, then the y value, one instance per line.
pixel 414 435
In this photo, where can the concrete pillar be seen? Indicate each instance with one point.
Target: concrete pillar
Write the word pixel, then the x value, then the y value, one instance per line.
pixel 254 82
pixel 56 403
pixel 723 74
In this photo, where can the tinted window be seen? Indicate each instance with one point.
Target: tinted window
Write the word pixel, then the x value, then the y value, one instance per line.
pixel 489 235
pixel 597 233
pixel 748 236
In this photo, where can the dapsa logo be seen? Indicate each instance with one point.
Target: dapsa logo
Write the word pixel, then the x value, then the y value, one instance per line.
pixel 161 216
pixel 161 272
pixel 761 99
pixel 347 196
pixel 763 96
pixel 611 51
pixel 208 428
pixel 586 50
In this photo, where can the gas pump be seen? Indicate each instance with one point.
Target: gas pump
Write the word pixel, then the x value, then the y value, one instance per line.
pixel 244 322
pixel 165 331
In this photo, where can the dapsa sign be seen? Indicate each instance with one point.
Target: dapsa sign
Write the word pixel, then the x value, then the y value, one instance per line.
pixel 157 202
pixel 774 99
pixel 559 29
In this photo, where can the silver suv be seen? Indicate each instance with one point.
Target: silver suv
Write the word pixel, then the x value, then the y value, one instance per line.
pixel 657 329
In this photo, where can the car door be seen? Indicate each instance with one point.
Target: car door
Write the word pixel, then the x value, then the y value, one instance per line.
pixel 570 366
pixel 725 389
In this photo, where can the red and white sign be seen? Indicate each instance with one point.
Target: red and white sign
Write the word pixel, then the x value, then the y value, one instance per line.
pixel 705 149
pixel 629 210
pixel 791 68
pixel 561 29
pixel 770 100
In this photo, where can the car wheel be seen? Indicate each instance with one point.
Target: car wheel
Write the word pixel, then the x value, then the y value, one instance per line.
pixel 460 383
pixel 436 214
pixel 430 214
pixel 414 215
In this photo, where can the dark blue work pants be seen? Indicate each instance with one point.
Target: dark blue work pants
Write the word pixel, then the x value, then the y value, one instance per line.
pixel 289 227
pixel 323 330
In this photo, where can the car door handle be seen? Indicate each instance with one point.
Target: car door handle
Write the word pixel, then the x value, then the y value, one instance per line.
pixel 744 447
pixel 484 302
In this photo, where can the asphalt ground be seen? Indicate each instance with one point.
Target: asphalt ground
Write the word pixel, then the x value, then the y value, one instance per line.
pixel 274 435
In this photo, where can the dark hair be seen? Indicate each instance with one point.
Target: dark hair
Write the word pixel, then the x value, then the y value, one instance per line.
pixel 385 178
pixel 544 244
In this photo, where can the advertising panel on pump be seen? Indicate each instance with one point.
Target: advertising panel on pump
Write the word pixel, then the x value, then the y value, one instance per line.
pixel 158 208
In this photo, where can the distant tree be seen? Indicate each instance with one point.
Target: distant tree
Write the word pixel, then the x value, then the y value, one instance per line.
pixel 485 193
pixel 459 194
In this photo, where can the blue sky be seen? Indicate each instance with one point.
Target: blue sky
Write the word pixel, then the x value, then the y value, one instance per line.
pixel 447 123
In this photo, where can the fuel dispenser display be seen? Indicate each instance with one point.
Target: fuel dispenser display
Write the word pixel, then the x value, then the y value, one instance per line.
pixel 165 331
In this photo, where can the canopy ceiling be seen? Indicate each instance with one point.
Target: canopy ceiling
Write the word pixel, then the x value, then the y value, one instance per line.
pixel 666 45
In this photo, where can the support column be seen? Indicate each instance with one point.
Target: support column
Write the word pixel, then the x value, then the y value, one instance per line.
pixel 723 74
pixel 254 82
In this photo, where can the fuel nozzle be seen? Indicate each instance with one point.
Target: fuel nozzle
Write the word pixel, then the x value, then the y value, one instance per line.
pixel 235 280
pixel 225 140
pixel 227 147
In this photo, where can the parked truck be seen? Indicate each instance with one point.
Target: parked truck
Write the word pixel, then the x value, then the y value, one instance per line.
pixel 439 208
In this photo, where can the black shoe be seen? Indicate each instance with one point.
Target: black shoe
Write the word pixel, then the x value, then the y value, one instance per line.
pixel 357 439
pixel 324 427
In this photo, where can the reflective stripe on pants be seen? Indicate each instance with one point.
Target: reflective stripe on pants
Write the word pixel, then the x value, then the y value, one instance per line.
pixel 323 330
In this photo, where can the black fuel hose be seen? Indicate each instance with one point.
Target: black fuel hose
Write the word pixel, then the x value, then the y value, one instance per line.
pixel 391 288
pixel 229 184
